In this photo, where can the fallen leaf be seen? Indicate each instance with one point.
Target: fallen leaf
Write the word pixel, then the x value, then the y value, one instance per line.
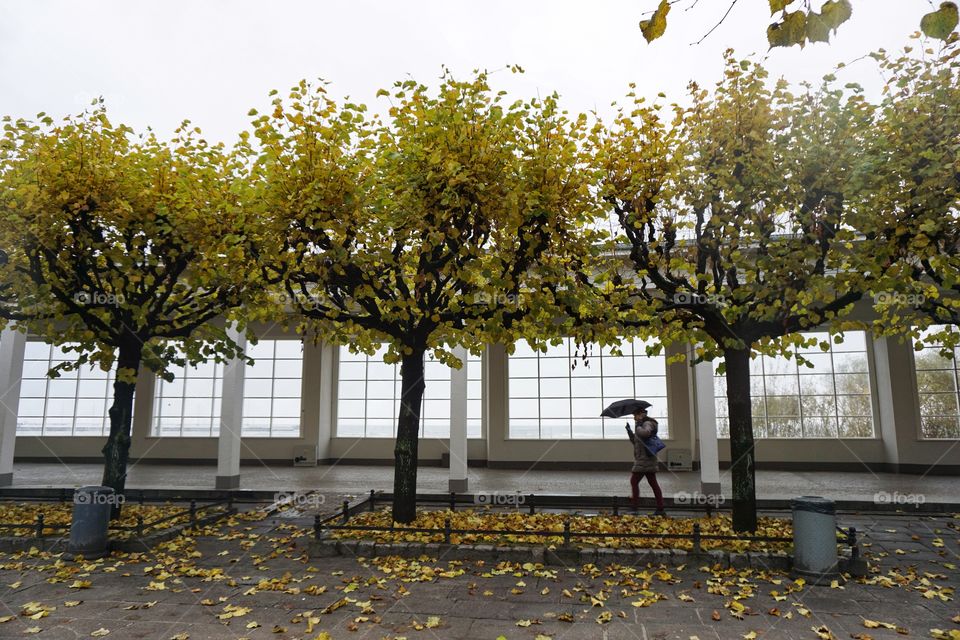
pixel 99 633
pixel 823 633
pixel 873 624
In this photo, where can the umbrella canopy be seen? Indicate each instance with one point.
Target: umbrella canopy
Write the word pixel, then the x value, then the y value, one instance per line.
pixel 622 408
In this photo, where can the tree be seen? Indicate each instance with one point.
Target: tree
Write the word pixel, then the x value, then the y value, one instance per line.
pixel 119 247
pixel 735 222
pixel 800 22
pixel 437 228
pixel 912 195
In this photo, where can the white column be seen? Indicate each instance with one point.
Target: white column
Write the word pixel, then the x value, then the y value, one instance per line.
pixel 231 419
pixel 885 361
pixel 327 398
pixel 458 424
pixel 12 344
pixel 705 418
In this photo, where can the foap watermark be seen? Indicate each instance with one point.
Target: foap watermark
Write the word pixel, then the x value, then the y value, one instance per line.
pixel 299 499
pixel 499 499
pixel 295 301
pixel 692 298
pixel 93 497
pixel 885 497
pixel 699 499
pixel 899 299
pixel 98 299
pixel 498 299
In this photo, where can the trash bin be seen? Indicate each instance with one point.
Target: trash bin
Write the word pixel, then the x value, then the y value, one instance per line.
pixel 815 538
pixel 91 516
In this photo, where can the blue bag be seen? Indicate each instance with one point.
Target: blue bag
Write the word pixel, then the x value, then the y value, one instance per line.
pixel 654 444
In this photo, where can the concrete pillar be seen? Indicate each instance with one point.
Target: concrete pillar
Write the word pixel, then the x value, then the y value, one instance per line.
pixel 495 398
pixel 458 424
pixel 705 419
pixel 141 428
pixel 12 344
pixel 231 420
pixel 897 404
pixel 328 397
pixel 315 398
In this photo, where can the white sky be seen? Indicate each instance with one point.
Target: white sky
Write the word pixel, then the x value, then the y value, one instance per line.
pixel 211 61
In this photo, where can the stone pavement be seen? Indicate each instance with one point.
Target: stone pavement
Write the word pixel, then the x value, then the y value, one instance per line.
pixel 251 578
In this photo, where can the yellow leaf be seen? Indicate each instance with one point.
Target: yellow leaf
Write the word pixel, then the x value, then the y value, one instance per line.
pixel 32 630
pixel 6 619
pixel 433 622
pixel 99 633
pixel 72 603
pixel 823 633
pixel 873 624
pixel 604 617
pixel 656 25
pixel 80 584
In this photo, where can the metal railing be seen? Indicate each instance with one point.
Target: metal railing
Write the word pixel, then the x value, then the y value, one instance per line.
pixel 567 534
pixel 193 512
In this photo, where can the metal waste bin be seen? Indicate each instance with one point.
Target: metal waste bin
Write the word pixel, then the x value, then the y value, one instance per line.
pixel 815 538
pixel 91 517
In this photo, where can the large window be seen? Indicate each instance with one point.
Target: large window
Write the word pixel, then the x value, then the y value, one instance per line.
pixel 190 405
pixel 271 390
pixel 831 399
pixel 75 404
pixel 368 397
pixel 551 399
pixel 937 388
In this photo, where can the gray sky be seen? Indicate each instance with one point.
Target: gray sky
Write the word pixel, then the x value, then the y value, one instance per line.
pixel 211 61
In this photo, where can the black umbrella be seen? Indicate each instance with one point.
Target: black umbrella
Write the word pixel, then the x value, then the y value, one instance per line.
pixel 622 408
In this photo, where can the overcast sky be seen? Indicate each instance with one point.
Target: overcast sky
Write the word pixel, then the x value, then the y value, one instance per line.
pixel 160 62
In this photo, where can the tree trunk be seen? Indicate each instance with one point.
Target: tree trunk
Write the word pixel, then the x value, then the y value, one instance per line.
pixel 408 432
pixel 742 465
pixel 117 449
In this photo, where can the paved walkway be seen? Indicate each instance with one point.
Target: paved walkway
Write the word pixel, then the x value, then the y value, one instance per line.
pixel 251 579
pixel 358 479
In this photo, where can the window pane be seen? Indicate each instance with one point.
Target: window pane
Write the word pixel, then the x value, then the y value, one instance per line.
pixel 369 398
pixel 75 403
pixel 572 393
pixel 940 427
pixel 836 386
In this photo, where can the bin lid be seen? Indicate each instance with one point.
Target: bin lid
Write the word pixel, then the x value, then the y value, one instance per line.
pixel 813 504
pixel 95 489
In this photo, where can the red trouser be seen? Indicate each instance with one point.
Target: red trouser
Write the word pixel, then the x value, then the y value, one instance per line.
pixel 635 487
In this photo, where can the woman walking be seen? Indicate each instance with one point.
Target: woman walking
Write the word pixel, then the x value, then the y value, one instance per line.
pixel 644 461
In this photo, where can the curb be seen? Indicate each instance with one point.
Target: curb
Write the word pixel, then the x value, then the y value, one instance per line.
pixel 567 556
pixel 553 556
